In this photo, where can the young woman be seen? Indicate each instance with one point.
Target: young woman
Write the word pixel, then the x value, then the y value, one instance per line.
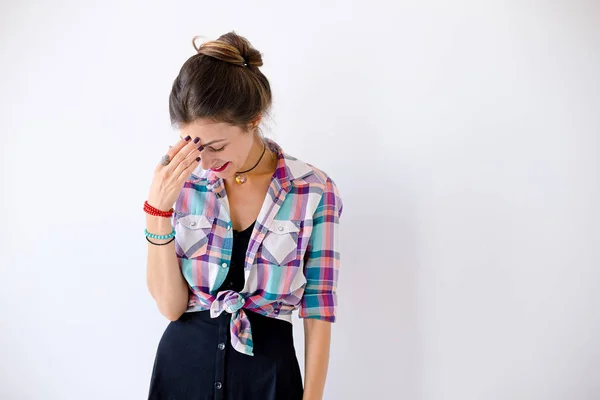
pixel 253 236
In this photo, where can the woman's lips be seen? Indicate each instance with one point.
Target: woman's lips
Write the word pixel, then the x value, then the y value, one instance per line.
pixel 220 169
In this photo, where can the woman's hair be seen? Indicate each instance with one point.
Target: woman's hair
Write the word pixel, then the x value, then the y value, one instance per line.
pixel 222 83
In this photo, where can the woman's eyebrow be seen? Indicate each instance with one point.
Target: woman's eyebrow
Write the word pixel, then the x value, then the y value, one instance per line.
pixel 209 143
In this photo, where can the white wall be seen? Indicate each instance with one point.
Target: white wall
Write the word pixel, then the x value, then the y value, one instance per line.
pixel 464 136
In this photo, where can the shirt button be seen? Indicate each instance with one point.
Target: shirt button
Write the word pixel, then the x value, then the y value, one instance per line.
pixel 280 228
pixel 224 265
pixel 218 385
pixel 228 227
pixel 193 224
pixel 221 346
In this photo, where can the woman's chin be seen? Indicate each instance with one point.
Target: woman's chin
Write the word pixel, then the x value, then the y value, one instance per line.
pixel 225 174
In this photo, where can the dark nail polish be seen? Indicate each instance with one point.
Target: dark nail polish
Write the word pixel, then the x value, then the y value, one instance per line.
pixel 200 148
pixel 188 137
pixel 198 159
pixel 196 140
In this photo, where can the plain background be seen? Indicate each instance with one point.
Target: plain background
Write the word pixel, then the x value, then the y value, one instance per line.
pixel 465 140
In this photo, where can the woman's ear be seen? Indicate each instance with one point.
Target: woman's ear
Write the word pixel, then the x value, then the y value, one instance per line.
pixel 255 122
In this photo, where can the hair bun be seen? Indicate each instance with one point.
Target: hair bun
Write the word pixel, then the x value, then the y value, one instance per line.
pixel 231 48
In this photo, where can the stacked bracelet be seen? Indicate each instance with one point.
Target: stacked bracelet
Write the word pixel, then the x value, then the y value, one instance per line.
pixel 153 236
pixel 156 212
pixel 160 244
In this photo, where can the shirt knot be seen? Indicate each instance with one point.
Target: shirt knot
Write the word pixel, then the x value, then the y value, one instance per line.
pixel 227 300
pixel 241 334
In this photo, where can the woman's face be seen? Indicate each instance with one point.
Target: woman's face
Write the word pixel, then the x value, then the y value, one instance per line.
pixel 226 147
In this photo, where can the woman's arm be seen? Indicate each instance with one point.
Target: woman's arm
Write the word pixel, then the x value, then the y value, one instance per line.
pixel 163 276
pixel 317 338
pixel 319 301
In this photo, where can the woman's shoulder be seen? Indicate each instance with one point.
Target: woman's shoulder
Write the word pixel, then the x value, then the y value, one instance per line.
pixel 302 173
pixel 298 169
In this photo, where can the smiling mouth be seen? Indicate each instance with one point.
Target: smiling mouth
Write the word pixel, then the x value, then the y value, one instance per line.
pixel 221 168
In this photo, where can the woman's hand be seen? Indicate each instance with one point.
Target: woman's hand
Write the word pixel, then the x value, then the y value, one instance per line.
pixel 169 179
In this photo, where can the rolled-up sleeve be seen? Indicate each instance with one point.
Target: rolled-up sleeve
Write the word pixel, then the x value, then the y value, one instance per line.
pixel 322 258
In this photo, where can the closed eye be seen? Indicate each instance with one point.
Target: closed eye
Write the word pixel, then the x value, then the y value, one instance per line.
pixel 215 150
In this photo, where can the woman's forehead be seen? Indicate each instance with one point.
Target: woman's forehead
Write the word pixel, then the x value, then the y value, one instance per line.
pixel 209 131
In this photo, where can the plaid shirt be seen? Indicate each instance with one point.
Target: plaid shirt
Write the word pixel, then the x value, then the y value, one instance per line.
pixel 293 258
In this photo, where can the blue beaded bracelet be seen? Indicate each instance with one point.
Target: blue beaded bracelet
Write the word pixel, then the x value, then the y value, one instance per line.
pixel 153 236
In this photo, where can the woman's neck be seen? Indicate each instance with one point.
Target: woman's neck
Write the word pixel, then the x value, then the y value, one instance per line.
pixel 267 164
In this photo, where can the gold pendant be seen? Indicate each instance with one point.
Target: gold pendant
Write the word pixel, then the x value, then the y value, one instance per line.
pixel 240 179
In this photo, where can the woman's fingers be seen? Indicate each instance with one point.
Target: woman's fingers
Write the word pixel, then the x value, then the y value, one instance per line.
pixel 183 171
pixel 192 159
pixel 191 148
pixel 173 150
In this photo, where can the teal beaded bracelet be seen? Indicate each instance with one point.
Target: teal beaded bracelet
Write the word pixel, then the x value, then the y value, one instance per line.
pixel 153 236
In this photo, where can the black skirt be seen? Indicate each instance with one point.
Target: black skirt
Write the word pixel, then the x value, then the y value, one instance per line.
pixel 195 361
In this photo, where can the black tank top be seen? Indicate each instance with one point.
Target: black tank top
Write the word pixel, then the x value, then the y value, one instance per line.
pixel 235 279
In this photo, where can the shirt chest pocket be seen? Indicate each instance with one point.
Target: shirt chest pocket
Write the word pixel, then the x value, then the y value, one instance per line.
pixel 280 244
pixel 192 233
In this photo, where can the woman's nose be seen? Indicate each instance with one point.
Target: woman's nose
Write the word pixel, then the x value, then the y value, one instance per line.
pixel 206 162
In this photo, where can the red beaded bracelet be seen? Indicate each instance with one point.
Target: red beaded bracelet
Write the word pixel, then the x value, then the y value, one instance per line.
pixel 156 212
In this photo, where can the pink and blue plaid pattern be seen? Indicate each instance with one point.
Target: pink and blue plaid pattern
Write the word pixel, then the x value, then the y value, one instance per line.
pixel 293 256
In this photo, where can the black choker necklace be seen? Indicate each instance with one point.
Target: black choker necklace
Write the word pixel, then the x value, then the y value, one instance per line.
pixel 239 178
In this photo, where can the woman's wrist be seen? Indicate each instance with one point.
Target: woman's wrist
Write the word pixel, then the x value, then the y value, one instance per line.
pixel 158 225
